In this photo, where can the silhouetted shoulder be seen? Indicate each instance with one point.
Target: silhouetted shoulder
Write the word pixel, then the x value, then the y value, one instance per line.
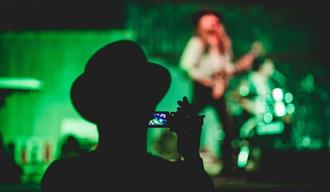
pixel 74 174
pixel 58 173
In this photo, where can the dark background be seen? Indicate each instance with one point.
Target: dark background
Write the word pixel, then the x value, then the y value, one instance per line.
pixel 294 32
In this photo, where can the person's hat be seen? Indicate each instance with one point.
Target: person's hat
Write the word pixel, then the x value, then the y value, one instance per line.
pixel 118 75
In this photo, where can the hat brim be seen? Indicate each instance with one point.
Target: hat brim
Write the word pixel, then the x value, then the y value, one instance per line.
pixel 87 99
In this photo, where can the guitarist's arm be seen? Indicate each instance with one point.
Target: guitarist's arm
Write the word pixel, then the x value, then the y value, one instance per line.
pixel 245 62
pixel 220 81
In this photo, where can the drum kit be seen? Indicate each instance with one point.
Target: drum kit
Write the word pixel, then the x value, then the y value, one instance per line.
pixel 270 129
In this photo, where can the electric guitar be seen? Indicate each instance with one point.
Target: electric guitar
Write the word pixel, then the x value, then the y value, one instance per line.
pixel 220 80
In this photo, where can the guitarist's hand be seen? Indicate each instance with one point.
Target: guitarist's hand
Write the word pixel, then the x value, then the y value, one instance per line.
pixel 219 87
pixel 246 61
pixel 206 82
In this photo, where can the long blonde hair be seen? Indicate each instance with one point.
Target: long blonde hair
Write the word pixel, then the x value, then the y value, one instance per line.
pixel 225 45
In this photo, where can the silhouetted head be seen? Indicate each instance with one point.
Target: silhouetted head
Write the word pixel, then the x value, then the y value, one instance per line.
pixel 119 83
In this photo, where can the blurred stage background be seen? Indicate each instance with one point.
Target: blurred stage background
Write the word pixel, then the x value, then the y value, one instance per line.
pixel 44 45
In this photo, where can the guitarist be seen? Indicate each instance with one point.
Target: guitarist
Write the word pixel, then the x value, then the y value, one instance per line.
pixel 207 59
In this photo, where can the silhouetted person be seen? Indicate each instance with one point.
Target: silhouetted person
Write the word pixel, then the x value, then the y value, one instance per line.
pixel 10 172
pixel 118 91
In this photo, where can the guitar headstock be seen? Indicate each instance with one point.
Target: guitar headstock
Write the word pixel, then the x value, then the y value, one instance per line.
pixel 257 48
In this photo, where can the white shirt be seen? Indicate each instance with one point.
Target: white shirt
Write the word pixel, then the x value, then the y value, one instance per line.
pixel 201 64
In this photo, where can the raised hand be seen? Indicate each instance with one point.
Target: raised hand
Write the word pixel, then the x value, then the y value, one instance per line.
pixel 187 124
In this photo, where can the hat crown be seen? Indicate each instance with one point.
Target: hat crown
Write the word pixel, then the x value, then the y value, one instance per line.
pixel 118 73
pixel 122 56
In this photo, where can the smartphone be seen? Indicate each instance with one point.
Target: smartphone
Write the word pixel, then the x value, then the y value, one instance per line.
pixel 160 119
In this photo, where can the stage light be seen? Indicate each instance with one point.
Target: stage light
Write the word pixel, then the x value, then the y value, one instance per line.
pixel 306 141
pixel 268 117
pixel 244 90
pixel 271 128
pixel 20 83
pixel 290 108
pixel 280 110
pixel 243 156
pixel 288 97
pixel 277 94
